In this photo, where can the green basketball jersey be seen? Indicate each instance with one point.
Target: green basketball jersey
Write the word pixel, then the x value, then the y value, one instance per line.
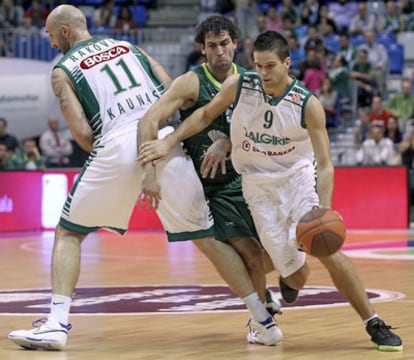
pixel 197 145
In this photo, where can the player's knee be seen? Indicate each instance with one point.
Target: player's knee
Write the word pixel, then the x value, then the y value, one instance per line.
pixel 250 251
pixel 298 279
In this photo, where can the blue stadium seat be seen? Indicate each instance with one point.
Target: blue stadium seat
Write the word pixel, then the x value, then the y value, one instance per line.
pixel 386 39
pixel 396 58
pixel 332 43
pixel 139 14
pixel 301 31
pixel 357 40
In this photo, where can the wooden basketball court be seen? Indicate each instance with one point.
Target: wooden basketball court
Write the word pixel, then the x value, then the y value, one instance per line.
pixel 145 259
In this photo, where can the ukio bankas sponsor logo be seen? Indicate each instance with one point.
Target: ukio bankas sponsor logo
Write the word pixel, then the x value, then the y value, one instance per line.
pixel 166 299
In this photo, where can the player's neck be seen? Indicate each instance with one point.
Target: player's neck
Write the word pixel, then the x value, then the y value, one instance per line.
pixel 219 76
pixel 278 90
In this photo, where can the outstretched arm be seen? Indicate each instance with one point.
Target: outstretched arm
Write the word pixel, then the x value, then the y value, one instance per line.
pixel 72 109
pixel 192 125
pixel 181 90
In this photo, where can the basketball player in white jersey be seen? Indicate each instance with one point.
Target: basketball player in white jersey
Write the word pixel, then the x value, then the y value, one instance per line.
pixel 281 148
pixel 104 87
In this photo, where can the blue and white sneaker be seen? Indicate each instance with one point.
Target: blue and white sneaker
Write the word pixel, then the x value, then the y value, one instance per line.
pixel 47 334
pixel 264 333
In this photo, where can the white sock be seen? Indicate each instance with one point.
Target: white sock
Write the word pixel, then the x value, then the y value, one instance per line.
pixel 256 307
pixel 372 317
pixel 59 308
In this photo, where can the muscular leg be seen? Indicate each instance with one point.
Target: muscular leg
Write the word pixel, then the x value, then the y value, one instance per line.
pixel 229 265
pixel 347 281
pixel 252 255
pixel 65 261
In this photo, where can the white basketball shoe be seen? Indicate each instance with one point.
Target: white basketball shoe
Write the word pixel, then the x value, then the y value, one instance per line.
pixel 47 334
pixel 264 333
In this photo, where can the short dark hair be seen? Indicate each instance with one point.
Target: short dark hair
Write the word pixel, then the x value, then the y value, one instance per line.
pixel 272 41
pixel 216 24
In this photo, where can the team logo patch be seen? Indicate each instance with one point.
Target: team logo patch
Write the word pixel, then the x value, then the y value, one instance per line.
pixel 166 299
pixel 103 56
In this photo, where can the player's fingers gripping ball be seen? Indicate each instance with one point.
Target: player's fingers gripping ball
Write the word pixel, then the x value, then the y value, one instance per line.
pixel 321 232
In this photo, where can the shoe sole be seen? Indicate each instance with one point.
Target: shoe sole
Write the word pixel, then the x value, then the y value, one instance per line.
pixel 33 344
pixel 388 348
pixel 250 341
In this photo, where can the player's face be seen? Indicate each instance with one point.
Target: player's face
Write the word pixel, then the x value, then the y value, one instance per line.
pixel 57 37
pixel 272 71
pixel 219 51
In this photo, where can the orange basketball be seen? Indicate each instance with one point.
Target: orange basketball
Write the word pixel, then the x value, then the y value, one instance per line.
pixel 321 232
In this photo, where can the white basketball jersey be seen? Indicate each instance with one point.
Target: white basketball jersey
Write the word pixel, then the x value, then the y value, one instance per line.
pixel 114 83
pixel 268 134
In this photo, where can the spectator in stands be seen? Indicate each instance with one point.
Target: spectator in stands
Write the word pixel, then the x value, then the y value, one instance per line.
pixel 10 140
pixel 29 159
pixel 38 13
pixel 288 9
pixel 296 52
pixel 340 77
pixel 11 15
pixel 314 40
pixel 362 127
pixel 406 7
pixel 314 74
pixel 273 20
pixel 362 76
pixel 55 147
pixel 392 21
pixel 4 156
pixel 260 27
pixel 194 58
pixel 342 11
pixel 245 57
pixel 224 7
pixel 376 150
pixel 288 23
pixel 125 21
pixel 104 15
pixel 406 151
pixel 362 21
pixel 392 130
pixel 309 11
pixel 243 12
pixel 378 112
pixel 325 23
pixel 347 50
pixel 329 99
pixel 402 103
pixel 378 57
pixel 27 28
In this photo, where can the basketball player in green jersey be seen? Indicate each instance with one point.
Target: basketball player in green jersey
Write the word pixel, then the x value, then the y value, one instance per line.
pixel 280 147
pixel 232 220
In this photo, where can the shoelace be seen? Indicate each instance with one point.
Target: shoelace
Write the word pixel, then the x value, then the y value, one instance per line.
pixel 39 322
